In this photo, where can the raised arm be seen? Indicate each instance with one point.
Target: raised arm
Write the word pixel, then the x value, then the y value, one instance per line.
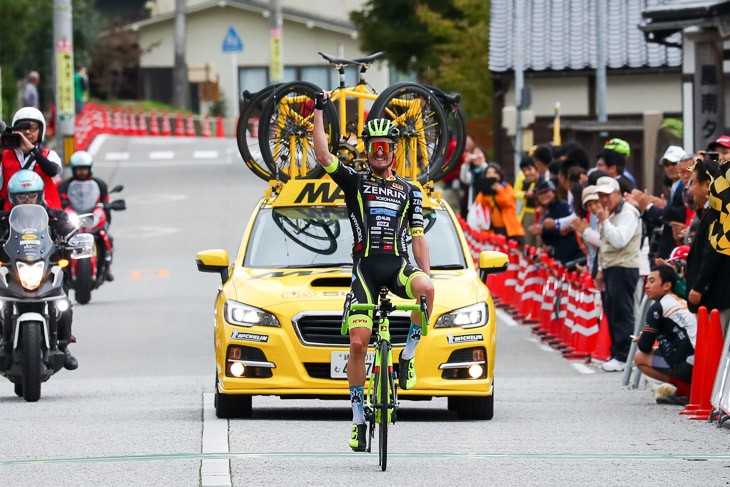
pixel 321 146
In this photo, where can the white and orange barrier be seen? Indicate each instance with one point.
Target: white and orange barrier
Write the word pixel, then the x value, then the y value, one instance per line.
pixel 95 120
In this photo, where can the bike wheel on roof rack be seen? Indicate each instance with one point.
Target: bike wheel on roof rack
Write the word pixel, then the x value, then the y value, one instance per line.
pixel 286 131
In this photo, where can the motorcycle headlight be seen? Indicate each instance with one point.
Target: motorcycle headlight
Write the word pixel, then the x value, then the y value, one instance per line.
pixel 30 274
pixel 469 317
pixel 239 314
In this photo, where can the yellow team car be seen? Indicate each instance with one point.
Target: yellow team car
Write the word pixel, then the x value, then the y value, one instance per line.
pixel 278 313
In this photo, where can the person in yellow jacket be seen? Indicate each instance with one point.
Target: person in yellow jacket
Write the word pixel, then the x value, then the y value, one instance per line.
pixel 525 197
pixel 499 196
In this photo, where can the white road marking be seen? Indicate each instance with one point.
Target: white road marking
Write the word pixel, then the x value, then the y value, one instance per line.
pixel 214 472
pixel 116 156
pixel 161 155
pixel 145 232
pixel 96 144
pixel 504 317
pixel 205 154
pixel 583 368
pixel 148 164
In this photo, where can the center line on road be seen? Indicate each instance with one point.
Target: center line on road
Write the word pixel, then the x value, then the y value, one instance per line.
pixel 583 368
pixel 205 154
pixel 214 471
pixel 116 156
pixel 159 155
pixel 641 457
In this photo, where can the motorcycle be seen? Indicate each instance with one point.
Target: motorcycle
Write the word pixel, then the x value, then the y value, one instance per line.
pixel 88 213
pixel 33 300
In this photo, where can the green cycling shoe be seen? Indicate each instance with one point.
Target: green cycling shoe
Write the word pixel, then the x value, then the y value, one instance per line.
pixel 358 437
pixel 407 372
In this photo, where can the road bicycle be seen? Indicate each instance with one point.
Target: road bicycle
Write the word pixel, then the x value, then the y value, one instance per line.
pixel 381 395
pixel 286 127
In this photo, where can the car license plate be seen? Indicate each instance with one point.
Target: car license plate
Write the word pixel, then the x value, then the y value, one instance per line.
pixel 338 364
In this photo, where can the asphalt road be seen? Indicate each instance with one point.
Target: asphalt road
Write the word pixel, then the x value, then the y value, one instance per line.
pixel 133 413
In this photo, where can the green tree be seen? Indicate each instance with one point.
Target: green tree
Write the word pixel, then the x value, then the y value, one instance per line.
pixel 463 51
pixel 26 43
pixel 394 26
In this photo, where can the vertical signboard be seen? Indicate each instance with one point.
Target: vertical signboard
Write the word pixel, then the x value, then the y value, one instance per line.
pixel 709 96
pixel 65 75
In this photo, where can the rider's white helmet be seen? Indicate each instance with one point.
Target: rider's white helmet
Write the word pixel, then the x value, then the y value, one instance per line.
pixel 31 114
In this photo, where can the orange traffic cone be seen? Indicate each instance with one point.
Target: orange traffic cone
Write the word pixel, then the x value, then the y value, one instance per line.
pixel 179 125
pixel 190 126
pixel 206 126
pixel 709 351
pixel 133 129
pixel 166 127
pixel 142 130
pixel 117 128
pixel 154 124
pixel 603 342
pixel 219 132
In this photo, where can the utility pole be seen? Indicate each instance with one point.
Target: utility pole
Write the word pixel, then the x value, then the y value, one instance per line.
pixel 63 69
pixel 276 68
pixel 518 61
pixel 179 74
pixel 601 87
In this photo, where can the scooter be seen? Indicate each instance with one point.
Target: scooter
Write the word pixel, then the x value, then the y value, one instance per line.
pixel 33 303
pixel 89 214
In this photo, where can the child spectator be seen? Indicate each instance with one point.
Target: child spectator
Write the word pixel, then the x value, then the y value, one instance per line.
pixel 525 194
pixel 674 328
pixel 563 243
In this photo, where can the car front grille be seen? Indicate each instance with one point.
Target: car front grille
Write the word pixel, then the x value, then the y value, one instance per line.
pixel 323 329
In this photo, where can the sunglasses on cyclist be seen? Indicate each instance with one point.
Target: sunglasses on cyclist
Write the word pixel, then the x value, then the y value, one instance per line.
pixel 386 147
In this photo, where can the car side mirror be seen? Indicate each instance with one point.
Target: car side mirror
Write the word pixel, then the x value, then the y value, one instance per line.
pixel 215 260
pixel 117 188
pixel 492 262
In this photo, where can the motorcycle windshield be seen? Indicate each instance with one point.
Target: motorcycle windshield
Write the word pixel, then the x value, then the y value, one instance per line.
pixel 30 238
pixel 83 195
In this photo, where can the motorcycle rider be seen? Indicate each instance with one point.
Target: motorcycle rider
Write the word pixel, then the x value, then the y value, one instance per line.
pixel 33 156
pixel 27 187
pixel 81 163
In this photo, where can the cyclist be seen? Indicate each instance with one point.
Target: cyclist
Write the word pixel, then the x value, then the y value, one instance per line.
pixel 32 155
pixel 383 208
pixel 26 188
pixel 81 162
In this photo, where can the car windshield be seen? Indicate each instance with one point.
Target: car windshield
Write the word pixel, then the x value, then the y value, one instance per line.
pixel 322 237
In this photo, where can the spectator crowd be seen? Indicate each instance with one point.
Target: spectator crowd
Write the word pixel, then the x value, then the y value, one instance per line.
pixel 586 212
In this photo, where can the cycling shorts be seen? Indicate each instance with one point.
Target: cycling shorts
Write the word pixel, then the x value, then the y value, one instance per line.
pixel 371 273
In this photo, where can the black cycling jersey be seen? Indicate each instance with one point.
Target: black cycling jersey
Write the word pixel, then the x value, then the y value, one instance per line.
pixel 380 210
pixel 670 323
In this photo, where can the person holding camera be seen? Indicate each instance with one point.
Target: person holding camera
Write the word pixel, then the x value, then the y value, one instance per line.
pixel 31 155
pixel 498 196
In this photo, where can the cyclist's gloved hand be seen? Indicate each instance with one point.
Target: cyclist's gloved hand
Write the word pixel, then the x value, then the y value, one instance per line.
pixel 320 101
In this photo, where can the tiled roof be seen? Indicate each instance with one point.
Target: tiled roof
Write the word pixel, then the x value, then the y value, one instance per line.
pixel 561 35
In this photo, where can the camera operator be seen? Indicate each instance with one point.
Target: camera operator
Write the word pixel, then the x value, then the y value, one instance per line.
pixel 31 155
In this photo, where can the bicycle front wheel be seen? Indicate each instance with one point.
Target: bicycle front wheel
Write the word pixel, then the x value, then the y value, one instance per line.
pixel 383 405
pixel 421 119
pixel 247 132
pixel 286 131
pixel 457 132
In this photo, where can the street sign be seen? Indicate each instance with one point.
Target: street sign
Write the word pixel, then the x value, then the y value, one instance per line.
pixel 232 43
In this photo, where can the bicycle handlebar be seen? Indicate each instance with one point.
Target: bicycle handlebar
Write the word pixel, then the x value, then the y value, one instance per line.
pixel 397 307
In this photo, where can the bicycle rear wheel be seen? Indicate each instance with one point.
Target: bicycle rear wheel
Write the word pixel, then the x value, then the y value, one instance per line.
pixel 382 405
pixel 457 132
pixel 247 131
pixel 286 131
pixel 418 113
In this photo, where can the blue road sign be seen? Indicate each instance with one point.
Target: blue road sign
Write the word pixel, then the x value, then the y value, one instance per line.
pixel 232 43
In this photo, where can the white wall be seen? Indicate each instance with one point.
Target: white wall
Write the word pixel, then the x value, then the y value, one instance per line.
pixel 636 94
pixel 207 29
pixel 626 95
pixel 331 9
pixel 572 93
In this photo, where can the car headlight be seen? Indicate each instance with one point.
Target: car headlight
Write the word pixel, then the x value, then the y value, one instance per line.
pixel 30 274
pixel 469 317
pixel 239 314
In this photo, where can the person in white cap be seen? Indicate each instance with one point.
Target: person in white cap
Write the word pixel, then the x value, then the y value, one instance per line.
pixel 618 261
pixel 591 237
pixel 657 211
